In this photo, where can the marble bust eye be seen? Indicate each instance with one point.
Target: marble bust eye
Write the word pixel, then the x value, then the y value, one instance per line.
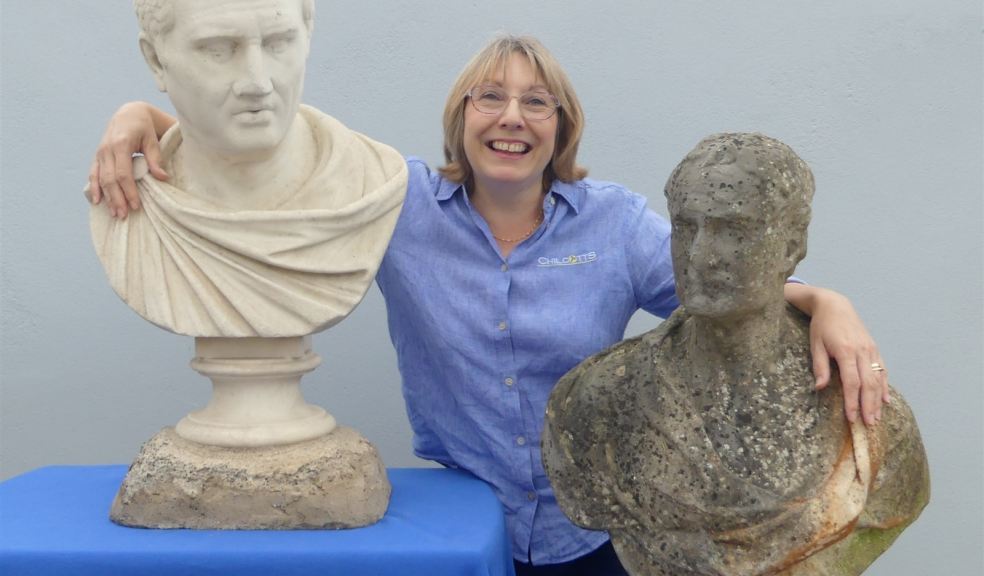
pixel 218 50
pixel 279 43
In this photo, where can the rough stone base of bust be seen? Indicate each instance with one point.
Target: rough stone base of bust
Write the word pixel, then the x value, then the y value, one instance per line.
pixel 335 481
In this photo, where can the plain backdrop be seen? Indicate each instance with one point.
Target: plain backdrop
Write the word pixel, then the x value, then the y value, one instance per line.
pixel 882 98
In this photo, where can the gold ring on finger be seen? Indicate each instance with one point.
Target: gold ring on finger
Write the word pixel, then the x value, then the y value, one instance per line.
pixel 876 367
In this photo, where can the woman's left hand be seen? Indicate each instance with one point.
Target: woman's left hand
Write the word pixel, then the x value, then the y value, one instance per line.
pixel 837 334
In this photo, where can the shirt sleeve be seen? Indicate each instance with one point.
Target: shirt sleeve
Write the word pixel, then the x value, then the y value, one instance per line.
pixel 647 247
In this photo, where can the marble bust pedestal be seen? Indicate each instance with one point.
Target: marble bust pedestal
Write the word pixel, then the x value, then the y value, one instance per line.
pixel 257 456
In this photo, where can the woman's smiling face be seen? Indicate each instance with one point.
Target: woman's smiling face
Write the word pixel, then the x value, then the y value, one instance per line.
pixel 507 149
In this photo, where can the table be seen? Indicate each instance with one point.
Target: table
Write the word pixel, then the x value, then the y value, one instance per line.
pixel 55 521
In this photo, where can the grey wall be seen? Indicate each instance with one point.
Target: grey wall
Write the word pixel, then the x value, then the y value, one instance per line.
pixel 882 98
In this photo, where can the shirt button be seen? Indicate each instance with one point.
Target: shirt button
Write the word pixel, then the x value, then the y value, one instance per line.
pixel 521 441
pixel 505 267
pixel 553 201
pixel 531 496
pixel 510 381
pixel 502 325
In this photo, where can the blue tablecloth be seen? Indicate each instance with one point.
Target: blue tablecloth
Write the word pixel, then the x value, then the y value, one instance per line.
pixel 55 521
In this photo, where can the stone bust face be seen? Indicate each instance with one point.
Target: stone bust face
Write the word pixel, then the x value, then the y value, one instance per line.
pixel 722 249
pixel 234 70
pixel 730 252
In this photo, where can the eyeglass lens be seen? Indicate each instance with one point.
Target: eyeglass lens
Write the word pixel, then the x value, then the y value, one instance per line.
pixel 535 104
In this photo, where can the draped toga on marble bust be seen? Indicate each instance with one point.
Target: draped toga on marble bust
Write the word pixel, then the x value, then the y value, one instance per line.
pixel 196 268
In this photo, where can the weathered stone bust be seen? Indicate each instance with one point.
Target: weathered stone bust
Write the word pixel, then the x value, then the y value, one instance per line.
pixel 702 446
pixel 272 227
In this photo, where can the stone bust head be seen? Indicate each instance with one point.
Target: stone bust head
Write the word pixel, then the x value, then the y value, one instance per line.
pixel 740 207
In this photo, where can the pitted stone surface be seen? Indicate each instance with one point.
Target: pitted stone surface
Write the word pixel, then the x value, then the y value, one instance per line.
pixel 702 446
pixel 335 481
pixel 687 486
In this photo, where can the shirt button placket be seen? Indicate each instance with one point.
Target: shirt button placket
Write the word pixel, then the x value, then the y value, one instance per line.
pixel 520 440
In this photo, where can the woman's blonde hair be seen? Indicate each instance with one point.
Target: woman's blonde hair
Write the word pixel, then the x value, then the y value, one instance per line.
pixel 484 65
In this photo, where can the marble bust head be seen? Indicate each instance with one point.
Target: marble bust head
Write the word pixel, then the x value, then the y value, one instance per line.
pixel 233 69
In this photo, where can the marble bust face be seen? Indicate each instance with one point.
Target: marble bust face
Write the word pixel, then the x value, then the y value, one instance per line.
pixel 234 69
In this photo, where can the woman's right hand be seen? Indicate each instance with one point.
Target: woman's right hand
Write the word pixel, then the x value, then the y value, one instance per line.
pixel 134 128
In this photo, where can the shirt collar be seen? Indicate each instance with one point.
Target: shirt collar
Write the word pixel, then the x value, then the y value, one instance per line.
pixel 570 192
pixel 447 189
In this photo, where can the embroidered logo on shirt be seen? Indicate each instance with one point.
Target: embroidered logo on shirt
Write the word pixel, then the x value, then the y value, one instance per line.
pixel 572 260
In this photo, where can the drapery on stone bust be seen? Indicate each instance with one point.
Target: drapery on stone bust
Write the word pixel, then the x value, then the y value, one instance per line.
pixel 701 446
pixel 277 216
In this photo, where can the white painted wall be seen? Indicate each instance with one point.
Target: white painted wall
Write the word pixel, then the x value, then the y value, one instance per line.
pixel 882 98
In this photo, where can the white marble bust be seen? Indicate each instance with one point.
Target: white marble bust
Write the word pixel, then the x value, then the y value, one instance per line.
pixel 277 216
pixel 272 226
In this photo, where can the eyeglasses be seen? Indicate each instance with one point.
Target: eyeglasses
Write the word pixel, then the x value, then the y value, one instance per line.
pixel 534 105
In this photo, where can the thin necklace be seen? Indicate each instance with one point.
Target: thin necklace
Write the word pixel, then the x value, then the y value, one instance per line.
pixel 536 225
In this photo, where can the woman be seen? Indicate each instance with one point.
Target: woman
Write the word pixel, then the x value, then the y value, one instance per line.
pixel 506 269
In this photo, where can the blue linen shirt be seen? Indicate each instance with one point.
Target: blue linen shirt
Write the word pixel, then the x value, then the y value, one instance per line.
pixel 482 340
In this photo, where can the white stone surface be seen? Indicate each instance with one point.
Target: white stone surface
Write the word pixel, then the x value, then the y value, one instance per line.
pixel 256 395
